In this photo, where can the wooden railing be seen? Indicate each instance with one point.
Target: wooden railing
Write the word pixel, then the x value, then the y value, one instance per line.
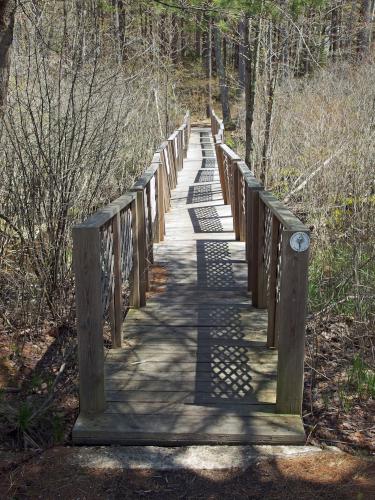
pixel 277 245
pixel 112 254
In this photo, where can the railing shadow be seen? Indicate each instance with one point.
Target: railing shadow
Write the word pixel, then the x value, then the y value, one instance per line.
pixel 205 220
pixel 227 370
pixel 205 176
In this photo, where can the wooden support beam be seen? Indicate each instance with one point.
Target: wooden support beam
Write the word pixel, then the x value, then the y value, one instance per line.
pixel 160 203
pixel 259 284
pixel 89 310
pixel 272 299
pixel 236 200
pixel 117 279
pixel 291 318
pixel 135 294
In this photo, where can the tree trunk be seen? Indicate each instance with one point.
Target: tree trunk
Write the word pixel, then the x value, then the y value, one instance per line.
pixel 241 53
pixel 224 97
pixel 208 62
pixel 334 33
pixel 364 34
pixel 271 73
pixel 7 13
pixel 250 87
pixel 198 35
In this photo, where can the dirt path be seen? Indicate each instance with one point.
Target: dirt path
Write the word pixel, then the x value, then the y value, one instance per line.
pixel 54 474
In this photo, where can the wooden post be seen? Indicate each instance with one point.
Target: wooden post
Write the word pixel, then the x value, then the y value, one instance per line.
pixel 142 247
pixel 219 159
pixel 259 284
pixel 149 251
pixel 172 163
pixel 271 330
pixel 156 234
pixel 251 233
pixel 160 202
pixel 292 317
pixel 185 136
pixel 117 296
pixel 236 200
pixel 223 179
pixel 135 297
pixel 180 150
pixel 89 309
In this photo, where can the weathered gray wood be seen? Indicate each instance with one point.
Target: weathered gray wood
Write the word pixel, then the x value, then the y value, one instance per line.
pixel 117 295
pixel 142 249
pixel 160 205
pixel 163 429
pixel 291 329
pixel 194 366
pixel 135 293
pixel 236 201
pixel 181 409
pixel 263 396
pixel 89 310
pixel 105 214
pixel 282 212
pixel 271 331
pixel 259 290
pixel 133 379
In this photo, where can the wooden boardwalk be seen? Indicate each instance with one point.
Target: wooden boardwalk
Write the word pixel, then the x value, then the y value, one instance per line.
pixel 194 367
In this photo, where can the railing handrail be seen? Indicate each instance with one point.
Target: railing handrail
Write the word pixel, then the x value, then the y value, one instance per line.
pixel 113 247
pixel 102 216
pixel 277 253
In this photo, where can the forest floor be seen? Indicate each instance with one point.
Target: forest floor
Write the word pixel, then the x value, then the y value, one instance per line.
pixel 39 386
pixel 54 474
pixel 38 371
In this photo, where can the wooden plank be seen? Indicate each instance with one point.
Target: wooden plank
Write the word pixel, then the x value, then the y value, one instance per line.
pixel 225 389
pixel 179 333
pixel 181 409
pixel 188 397
pixel 282 212
pixel 170 366
pixel 164 429
pixel 232 357
pixel 201 315
pixel 126 372
pixel 105 214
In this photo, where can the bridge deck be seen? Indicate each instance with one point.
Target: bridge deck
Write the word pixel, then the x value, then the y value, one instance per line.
pixel 195 367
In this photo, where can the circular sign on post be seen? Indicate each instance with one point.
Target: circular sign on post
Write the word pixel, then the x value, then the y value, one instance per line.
pixel 300 242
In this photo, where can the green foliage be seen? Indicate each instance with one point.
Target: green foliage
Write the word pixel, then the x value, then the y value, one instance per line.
pixel 230 142
pixel 57 427
pixel 24 417
pixel 361 378
pixel 35 381
pixel 331 279
pixel 360 383
pixel 286 177
pixel 105 6
pixel 345 398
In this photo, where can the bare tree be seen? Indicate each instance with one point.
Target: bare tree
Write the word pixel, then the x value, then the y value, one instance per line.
pixel 7 13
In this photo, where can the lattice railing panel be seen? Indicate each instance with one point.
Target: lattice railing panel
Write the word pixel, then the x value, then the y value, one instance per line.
pixel 106 264
pixel 267 244
pixel 279 263
pixel 126 244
